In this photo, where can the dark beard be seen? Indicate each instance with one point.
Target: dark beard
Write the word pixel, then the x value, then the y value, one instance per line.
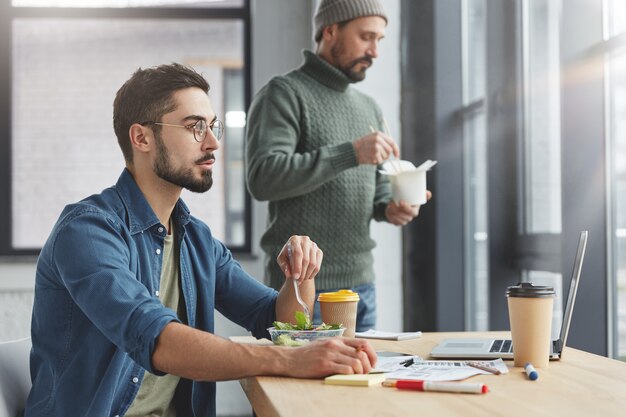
pixel 348 69
pixel 181 177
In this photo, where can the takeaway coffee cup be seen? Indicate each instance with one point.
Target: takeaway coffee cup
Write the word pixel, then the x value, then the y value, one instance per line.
pixel 340 308
pixel 530 315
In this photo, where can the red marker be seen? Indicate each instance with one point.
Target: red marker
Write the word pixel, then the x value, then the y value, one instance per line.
pixel 438 386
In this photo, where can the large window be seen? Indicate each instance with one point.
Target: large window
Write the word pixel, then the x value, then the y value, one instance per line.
pixel 66 63
pixel 475 163
pixel 533 84
pixel 540 164
pixel 615 26
pixel 129 3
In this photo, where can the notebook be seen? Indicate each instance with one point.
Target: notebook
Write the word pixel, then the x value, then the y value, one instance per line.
pixel 503 348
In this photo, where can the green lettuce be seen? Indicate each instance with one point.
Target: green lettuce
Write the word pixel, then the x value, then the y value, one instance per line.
pixel 303 322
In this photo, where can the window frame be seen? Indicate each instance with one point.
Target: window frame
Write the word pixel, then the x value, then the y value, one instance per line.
pixel 8 13
pixel 611 46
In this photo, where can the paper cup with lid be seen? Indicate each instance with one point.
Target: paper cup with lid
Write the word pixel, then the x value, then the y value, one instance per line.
pixel 530 316
pixel 340 308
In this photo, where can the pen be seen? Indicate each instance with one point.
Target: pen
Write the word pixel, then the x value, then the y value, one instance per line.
pixel 530 371
pixel 484 368
pixel 438 386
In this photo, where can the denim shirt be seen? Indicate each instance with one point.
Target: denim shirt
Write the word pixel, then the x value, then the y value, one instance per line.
pixel 97 315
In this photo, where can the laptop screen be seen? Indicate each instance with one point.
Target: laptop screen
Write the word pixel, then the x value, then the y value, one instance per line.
pixel 569 306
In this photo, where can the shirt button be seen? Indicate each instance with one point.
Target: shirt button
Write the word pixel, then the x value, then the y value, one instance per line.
pixel 156 293
pixel 160 229
pixel 158 251
pixel 135 380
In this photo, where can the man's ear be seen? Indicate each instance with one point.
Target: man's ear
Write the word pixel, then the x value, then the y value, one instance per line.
pixel 329 32
pixel 327 40
pixel 141 137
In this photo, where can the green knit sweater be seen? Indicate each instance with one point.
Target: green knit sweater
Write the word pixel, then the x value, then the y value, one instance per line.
pixel 301 159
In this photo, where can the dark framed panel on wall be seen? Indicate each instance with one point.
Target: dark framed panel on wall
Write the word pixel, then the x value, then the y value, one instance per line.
pixel 61 69
pixel 433 251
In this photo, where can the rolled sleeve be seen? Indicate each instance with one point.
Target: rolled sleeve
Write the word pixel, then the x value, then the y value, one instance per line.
pixel 240 297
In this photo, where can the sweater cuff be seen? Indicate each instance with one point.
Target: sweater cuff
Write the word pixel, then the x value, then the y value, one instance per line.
pixel 379 211
pixel 342 156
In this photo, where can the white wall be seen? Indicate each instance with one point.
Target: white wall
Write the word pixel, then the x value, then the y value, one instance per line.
pixel 383 83
pixel 281 29
pixel 16 298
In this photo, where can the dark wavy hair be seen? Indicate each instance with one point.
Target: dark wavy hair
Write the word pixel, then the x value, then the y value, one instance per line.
pixel 147 96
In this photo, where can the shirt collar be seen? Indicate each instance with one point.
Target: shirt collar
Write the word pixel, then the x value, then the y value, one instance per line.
pixel 327 74
pixel 140 215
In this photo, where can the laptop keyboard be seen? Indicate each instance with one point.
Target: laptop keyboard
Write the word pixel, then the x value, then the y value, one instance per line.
pixel 502 346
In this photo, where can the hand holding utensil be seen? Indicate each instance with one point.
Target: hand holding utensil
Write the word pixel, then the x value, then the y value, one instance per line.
pixel 395 164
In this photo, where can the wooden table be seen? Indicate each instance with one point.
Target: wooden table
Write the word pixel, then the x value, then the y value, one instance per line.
pixel 580 384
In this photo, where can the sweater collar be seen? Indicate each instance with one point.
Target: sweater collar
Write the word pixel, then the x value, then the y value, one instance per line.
pixel 327 74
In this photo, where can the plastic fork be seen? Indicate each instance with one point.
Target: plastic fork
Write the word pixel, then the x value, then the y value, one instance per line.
pixel 302 303
pixel 297 289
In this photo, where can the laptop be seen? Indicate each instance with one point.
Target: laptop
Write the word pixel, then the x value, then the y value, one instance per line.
pixel 503 348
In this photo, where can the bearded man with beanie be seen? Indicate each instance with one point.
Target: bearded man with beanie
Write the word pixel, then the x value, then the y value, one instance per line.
pixel 312 154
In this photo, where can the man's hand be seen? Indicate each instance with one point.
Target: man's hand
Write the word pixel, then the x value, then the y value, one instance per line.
pixel 300 258
pixel 401 214
pixel 375 148
pixel 331 356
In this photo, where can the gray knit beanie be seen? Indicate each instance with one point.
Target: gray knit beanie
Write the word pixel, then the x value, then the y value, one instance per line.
pixel 335 11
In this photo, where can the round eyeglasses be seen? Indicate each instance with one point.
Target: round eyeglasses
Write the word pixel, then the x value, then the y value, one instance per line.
pixel 200 128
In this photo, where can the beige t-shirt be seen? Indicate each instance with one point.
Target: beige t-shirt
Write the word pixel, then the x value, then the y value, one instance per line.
pixel 156 394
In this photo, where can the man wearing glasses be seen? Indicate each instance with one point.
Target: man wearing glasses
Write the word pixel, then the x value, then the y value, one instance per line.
pixel 128 281
pixel 314 144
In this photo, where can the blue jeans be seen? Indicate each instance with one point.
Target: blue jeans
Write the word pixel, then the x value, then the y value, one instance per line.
pixel 366 309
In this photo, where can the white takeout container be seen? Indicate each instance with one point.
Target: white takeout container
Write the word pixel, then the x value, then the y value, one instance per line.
pixel 408 182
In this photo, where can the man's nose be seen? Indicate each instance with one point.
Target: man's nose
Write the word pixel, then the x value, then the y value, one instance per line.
pixel 210 141
pixel 372 51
